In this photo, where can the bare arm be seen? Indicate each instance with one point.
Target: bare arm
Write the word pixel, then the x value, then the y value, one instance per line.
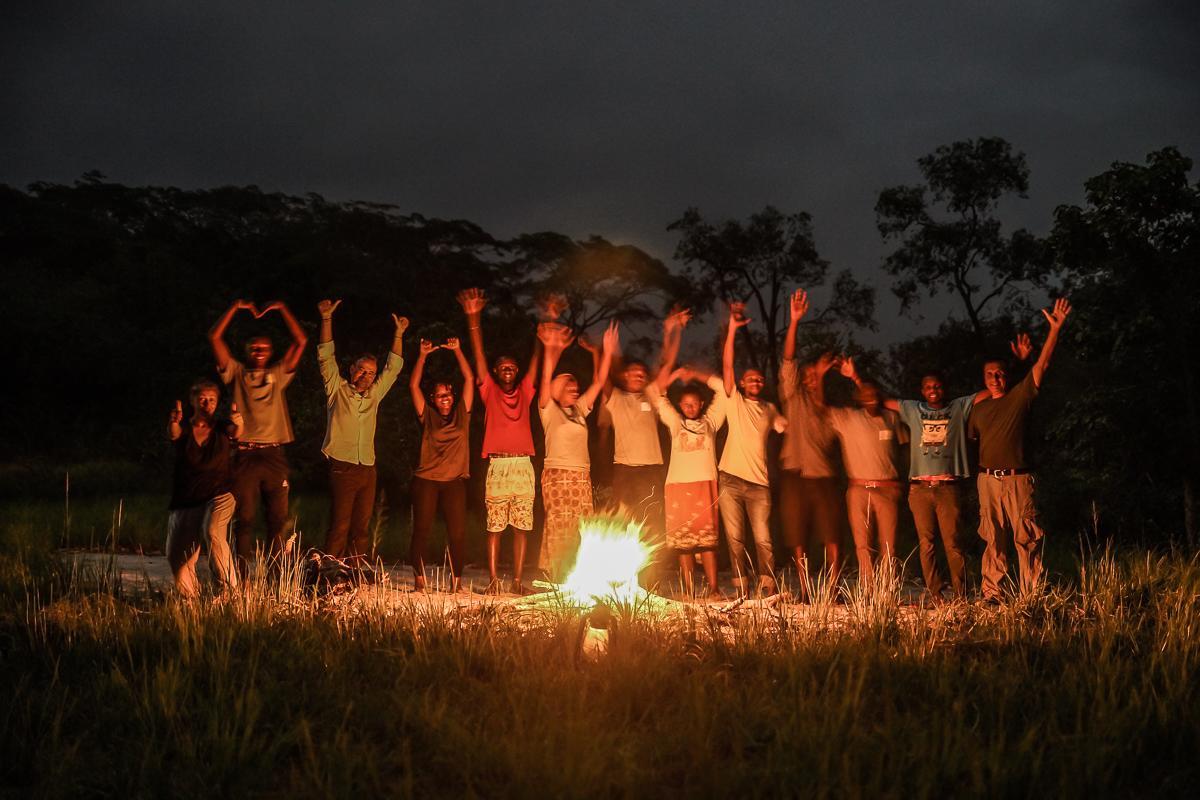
pixel 291 359
pixel 737 319
pixel 414 380
pixel 798 307
pixel 326 308
pixel 473 302
pixel 824 363
pixel 611 342
pixel 216 334
pixel 237 423
pixel 673 327
pixel 468 391
pixel 175 422
pixel 1056 317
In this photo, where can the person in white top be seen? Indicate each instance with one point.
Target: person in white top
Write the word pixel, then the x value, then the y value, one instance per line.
pixel 566 473
pixel 745 488
pixel 690 492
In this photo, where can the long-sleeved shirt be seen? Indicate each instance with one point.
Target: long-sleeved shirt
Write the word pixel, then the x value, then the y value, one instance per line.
pixel 350 415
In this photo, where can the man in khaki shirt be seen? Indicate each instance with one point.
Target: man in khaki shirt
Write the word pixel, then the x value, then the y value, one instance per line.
pixel 352 408
pixel 260 468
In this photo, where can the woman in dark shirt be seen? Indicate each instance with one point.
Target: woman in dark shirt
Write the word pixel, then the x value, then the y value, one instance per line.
pixel 201 502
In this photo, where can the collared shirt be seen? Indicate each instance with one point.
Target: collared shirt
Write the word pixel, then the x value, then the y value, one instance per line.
pixel 350 415
pixel 809 443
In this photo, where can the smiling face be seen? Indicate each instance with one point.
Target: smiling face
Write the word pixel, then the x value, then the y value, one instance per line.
pixel 995 378
pixel 505 372
pixel 932 391
pixel 691 405
pixel 752 383
pixel 443 398
pixel 204 403
pixel 634 377
pixel 362 373
pixel 258 352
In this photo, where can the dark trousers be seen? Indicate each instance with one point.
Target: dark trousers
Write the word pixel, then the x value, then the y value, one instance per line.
pixel 638 491
pixel 934 510
pixel 261 473
pixel 427 497
pixel 809 508
pixel 352 499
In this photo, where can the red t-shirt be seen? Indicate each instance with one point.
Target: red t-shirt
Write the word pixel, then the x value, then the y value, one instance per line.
pixel 506 418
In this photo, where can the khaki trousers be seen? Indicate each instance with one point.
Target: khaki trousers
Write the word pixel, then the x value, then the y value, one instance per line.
pixel 874 514
pixel 1006 511
pixel 207 526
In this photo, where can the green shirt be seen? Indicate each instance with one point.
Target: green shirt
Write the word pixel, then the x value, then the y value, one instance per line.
pixel 350 416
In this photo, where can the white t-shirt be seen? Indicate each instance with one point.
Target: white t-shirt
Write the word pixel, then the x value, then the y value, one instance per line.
pixel 750 422
pixel 636 427
pixel 693 441
pixel 566 435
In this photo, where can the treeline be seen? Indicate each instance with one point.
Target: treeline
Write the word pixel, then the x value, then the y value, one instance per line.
pixel 112 289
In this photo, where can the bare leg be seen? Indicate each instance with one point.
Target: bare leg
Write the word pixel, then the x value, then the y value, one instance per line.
pixel 518 558
pixel 708 559
pixel 493 554
pixel 800 557
pixel 686 567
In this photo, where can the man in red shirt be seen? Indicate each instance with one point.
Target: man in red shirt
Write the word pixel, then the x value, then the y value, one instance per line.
pixel 507 443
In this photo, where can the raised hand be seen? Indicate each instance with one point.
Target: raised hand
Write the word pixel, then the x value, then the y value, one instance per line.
pixel 553 305
pixel 427 347
pixel 826 362
pixel 177 413
pixel 274 305
pixel 325 308
pixel 677 318
pixel 1021 346
pixel 452 343
pixel 1058 315
pixel 848 369
pixel 554 335
pixel 401 324
pixel 472 300
pixel 612 337
pixel 247 305
pixel 798 304
pixel 586 343
pixel 737 314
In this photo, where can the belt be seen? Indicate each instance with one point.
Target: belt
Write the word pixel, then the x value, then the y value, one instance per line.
pixel 257 445
pixel 508 455
pixel 1003 473
pixel 873 484
pixel 934 484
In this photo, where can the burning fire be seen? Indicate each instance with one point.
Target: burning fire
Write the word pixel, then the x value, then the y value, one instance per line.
pixel 611 554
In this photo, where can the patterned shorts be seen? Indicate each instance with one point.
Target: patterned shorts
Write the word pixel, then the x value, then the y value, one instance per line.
pixel 508 493
pixel 691 515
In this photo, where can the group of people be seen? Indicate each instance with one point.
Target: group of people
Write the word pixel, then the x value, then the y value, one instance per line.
pixel 838 465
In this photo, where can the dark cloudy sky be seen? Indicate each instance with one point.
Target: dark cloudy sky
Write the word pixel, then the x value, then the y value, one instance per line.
pixel 597 118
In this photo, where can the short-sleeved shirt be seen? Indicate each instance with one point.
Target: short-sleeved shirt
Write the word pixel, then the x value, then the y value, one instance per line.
pixel 1000 423
pixel 635 427
pixel 201 471
pixel 868 442
pixel 693 441
pixel 445 444
pixel 939 437
pixel 566 435
pixel 750 422
pixel 350 416
pixel 506 428
pixel 809 443
pixel 260 397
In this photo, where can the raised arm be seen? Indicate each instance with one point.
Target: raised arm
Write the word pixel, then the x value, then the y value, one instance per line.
pixel 414 381
pixel 468 391
pixel 554 338
pixel 737 319
pixel 1056 317
pixel 824 363
pixel 326 308
pixel 216 334
pixel 673 327
pixel 395 360
pixel 237 423
pixel 600 378
pixel 331 377
pixel 798 307
pixel 473 302
pixel 291 359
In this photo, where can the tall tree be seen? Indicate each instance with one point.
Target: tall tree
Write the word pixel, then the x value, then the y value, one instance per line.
pixel 760 261
pixel 1133 256
pixel 950 239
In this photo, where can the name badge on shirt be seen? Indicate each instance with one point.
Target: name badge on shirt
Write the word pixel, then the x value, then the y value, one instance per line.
pixel 645 406
pixel 885 436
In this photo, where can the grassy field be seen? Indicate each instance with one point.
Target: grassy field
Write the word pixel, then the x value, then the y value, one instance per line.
pixel 1089 690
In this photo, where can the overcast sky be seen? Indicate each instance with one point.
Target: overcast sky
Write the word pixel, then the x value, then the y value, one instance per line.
pixel 596 118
